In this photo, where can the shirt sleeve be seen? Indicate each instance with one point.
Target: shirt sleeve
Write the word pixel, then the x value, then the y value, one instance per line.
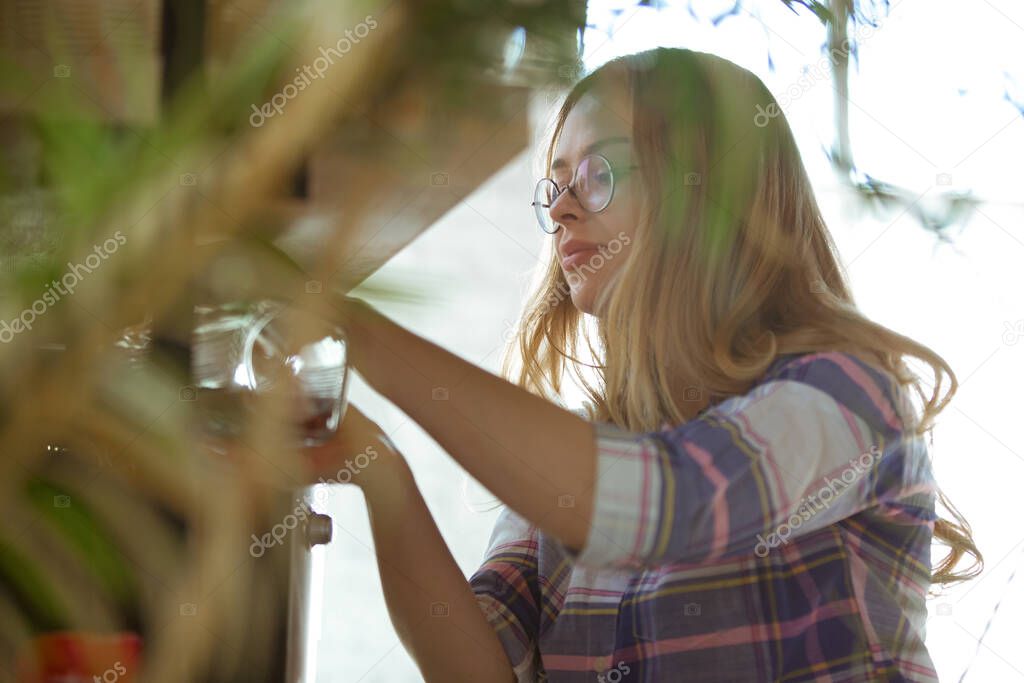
pixel 507 590
pixel 819 441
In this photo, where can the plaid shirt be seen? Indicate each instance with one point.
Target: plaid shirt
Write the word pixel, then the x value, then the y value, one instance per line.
pixel 782 535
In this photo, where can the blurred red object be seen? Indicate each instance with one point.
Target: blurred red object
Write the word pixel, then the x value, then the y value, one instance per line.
pixel 76 657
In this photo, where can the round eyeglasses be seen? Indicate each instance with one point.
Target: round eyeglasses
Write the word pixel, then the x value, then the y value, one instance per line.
pixel 593 185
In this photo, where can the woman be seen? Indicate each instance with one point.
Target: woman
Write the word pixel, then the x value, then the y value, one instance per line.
pixel 749 498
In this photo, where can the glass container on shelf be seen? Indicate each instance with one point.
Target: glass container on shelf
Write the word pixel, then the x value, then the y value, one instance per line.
pixel 241 350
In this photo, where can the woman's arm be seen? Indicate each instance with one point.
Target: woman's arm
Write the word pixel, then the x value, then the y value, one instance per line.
pixel 751 473
pixel 433 608
pixel 817 443
pixel 533 455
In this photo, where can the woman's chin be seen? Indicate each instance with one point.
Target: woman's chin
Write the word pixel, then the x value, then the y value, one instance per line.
pixel 583 299
pixel 578 302
pixel 589 294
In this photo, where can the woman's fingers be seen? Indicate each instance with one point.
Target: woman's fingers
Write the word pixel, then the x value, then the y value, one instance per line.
pixel 355 422
pixel 358 442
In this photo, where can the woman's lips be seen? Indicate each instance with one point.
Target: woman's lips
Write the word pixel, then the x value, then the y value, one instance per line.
pixel 575 259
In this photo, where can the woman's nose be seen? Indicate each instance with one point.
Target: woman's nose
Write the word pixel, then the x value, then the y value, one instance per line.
pixel 565 208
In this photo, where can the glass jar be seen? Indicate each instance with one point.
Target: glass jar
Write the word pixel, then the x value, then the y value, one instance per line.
pixel 243 349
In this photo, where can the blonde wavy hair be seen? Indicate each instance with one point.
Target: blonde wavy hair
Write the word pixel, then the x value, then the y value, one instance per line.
pixel 709 295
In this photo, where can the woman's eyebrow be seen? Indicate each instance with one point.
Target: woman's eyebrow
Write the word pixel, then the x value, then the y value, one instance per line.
pixel 591 148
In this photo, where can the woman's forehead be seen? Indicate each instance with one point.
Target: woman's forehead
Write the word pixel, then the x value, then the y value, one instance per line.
pixel 589 121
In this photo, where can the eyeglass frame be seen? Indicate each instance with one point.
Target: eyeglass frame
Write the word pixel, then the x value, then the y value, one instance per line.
pixel 571 189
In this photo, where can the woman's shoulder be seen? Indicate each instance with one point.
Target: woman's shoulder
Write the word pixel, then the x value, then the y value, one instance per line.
pixel 840 369
pixel 852 380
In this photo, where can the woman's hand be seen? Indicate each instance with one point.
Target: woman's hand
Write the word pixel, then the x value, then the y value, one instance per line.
pixel 360 453
pixel 520 446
